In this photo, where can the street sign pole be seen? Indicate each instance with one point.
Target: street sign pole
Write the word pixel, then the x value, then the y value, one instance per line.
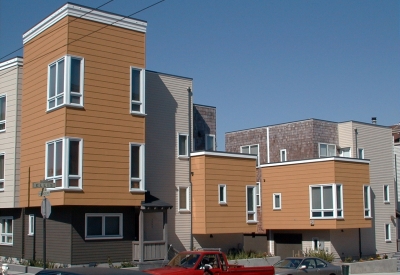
pixel 44 238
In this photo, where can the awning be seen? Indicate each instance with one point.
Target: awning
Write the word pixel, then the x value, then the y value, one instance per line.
pixel 153 203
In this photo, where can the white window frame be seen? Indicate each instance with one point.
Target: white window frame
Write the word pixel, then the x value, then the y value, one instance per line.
pixel 208 145
pixel 367 201
pixel 249 149
pixel 3 121
pixel 361 153
pixel 335 210
pixel 327 150
pixel 222 193
pixel 249 212
pixel 103 235
pixel 67 93
pixel 178 142
pixel 283 155
pixel 274 198
pixel 141 178
pixel 141 101
pixel 342 150
pixel 3 180
pixel 386 194
pixel 185 209
pixel 258 193
pixel 65 176
pixel 387 230
pixel 4 220
pixel 31 225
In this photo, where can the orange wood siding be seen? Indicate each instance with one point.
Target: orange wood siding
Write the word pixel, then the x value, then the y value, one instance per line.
pixel 105 123
pixel 209 217
pixel 293 182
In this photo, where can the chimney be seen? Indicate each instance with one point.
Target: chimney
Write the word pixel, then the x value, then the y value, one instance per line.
pixel 373 120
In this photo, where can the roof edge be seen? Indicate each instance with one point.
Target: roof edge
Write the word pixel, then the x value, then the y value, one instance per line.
pixel 83 12
pixel 16 61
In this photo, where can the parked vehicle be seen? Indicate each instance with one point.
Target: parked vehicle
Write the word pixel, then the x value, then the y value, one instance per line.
pixel 89 271
pixel 207 262
pixel 306 265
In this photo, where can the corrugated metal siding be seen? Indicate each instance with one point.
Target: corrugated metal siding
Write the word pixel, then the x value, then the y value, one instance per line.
pixel 10 86
pixel 377 142
pixel 167 115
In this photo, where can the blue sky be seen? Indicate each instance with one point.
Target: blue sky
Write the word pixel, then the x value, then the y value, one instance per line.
pixel 261 62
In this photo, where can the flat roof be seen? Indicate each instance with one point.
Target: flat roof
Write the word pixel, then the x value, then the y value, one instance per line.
pixel 71 9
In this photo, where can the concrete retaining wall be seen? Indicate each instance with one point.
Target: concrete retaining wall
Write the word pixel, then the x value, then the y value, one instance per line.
pixel 375 266
pixel 256 261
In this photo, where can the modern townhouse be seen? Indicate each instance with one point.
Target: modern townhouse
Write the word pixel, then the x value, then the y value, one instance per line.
pixel 324 185
pixel 116 142
pixel 10 127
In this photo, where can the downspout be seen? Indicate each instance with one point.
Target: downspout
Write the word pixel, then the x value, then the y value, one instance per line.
pixel 356 139
pixel 268 145
pixel 359 229
pixel 190 164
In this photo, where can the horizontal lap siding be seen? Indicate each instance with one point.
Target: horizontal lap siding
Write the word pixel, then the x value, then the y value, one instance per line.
pixel 15 250
pixel 10 87
pixel 230 218
pixel 198 188
pixel 37 125
pixel 86 251
pixel 167 115
pixel 293 182
pixel 105 123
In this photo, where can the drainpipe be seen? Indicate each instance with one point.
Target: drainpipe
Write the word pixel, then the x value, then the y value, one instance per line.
pixel 190 164
pixel 356 134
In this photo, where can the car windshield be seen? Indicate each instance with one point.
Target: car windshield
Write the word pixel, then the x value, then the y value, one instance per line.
pixel 184 260
pixel 288 263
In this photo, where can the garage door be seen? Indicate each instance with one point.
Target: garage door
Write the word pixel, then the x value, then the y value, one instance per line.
pixel 287 245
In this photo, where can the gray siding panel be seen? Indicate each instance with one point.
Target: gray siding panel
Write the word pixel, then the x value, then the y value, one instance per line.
pixel 167 115
pixel 100 251
pixel 11 87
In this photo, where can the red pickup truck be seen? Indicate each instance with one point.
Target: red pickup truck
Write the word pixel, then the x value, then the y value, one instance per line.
pixel 207 262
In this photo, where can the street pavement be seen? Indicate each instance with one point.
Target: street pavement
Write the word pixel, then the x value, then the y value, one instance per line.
pixel 393 273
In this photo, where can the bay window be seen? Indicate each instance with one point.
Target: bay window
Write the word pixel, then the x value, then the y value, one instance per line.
pixel 64 162
pixel 65 82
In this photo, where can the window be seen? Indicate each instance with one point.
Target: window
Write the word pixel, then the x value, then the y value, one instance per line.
pixel 345 152
pixel 136 157
pixel 210 142
pixel 361 153
pixel 6 230
pixel 327 150
pixel 325 202
pixel 386 194
pixel 183 198
pixel 64 162
pixel 65 82
pixel 258 192
pixel 251 204
pixel 276 201
pixel 283 155
pixel 183 145
pixel 367 201
pixel 137 90
pixel 2 171
pixel 222 194
pixel 388 237
pixel 2 113
pixel 251 149
pixel 31 227
pixel 103 226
